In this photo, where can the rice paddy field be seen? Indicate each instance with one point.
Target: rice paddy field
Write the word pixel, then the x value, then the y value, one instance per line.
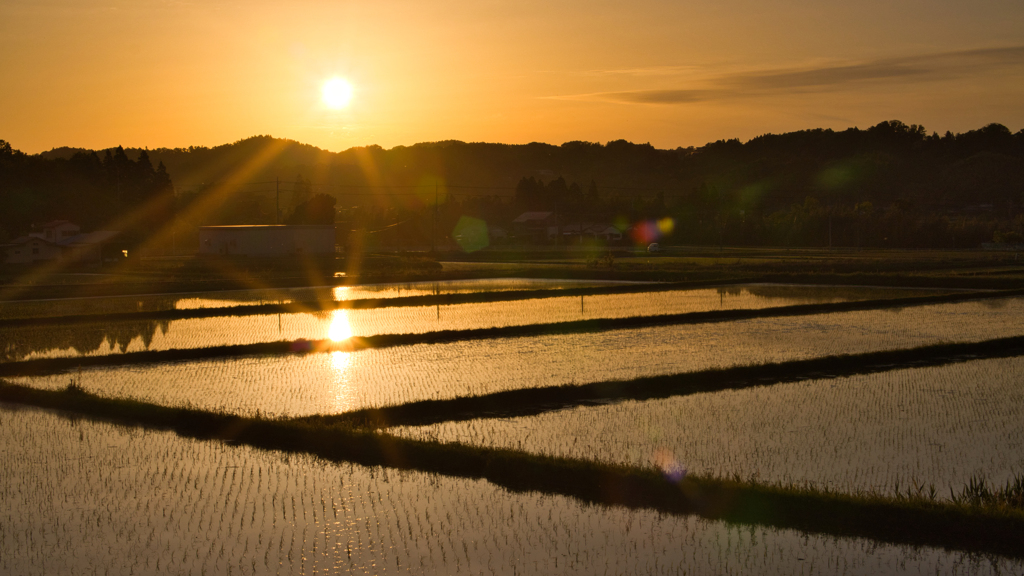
pixel 111 337
pixel 335 382
pixel 83 495
pixel 935 425
pixel 235 298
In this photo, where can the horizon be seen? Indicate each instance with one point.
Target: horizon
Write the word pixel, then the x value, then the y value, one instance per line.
pixel 453 140
pixel 342 75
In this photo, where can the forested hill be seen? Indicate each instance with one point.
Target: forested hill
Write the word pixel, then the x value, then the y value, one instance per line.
pixel 891 185
pixel 887 163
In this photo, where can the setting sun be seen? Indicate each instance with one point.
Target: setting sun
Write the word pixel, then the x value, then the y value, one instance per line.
pixel 337 93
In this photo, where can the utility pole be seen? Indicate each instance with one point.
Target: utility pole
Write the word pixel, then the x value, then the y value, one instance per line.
pixel 433 237
pixel 830 231
pixel 277 203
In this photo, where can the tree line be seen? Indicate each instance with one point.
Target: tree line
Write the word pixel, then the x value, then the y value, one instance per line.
pixel 108 192
pixel 890 185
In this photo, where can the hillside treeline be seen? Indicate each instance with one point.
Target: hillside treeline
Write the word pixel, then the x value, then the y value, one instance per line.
pixel 108 191
pixel 891 185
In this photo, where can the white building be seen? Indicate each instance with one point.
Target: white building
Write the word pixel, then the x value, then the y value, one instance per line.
pixel 59 240
pixel 266 240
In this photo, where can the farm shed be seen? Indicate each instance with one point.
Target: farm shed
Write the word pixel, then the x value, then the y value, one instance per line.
pixel 266 240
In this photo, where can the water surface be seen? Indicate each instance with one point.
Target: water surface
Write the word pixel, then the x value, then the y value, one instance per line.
pixel 936 425
pixel 231 298
pixel 341 381
pixel 101 338
pixel 85 498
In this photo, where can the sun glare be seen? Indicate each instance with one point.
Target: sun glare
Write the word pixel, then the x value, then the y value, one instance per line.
pixel 337 93
pixel 339 329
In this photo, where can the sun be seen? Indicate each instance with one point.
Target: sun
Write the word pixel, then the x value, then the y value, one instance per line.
pixel 337 93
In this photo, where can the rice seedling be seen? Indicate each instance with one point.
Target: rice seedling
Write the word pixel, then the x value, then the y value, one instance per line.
pixel 330 383
pixel 35 339
pixel 388 523
pixel 901 432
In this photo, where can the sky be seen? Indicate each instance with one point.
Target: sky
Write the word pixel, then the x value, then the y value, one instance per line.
pixel 162 73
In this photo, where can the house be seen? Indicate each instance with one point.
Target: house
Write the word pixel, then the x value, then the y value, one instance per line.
pixel 593 230
pixel 266 240
pixel 58 240
pixel 535 226
pixel 29 249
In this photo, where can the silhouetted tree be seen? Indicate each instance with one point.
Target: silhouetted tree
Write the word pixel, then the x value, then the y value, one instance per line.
pixel 317 210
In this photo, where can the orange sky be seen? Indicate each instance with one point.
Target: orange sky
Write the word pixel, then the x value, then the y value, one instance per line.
pixel 98 73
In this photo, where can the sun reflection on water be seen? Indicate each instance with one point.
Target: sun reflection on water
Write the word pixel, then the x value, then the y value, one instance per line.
pixel 340 329
pixel 343 393
pixel 340 293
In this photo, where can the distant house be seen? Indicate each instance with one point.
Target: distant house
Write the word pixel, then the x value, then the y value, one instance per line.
pixel 29 249
pixel 266 240
pixel 58 240
pixel 535 226
pixel 592 230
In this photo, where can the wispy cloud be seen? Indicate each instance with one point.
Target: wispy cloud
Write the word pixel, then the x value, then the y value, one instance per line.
pixel 943 66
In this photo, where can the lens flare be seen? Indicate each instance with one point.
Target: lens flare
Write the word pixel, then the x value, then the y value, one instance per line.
pixel 670 467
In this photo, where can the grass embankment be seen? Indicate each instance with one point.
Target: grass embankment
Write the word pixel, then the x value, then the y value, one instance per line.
pixel 356 343
pixel 991 526
pixel 533 401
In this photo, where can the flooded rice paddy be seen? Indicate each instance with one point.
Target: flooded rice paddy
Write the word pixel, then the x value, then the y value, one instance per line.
pixel 89 498
pixel 234 298
pixel 327 383
pixel 94 498
pixel 936 425
pixel 102 338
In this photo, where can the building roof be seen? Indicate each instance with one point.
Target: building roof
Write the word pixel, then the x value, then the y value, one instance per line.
pixel 24 239
pixel 590 228
pixel 97 237
pixel 260 226
pixel 532 216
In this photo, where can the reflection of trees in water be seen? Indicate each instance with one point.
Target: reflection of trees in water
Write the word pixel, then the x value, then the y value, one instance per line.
pixel 19 343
